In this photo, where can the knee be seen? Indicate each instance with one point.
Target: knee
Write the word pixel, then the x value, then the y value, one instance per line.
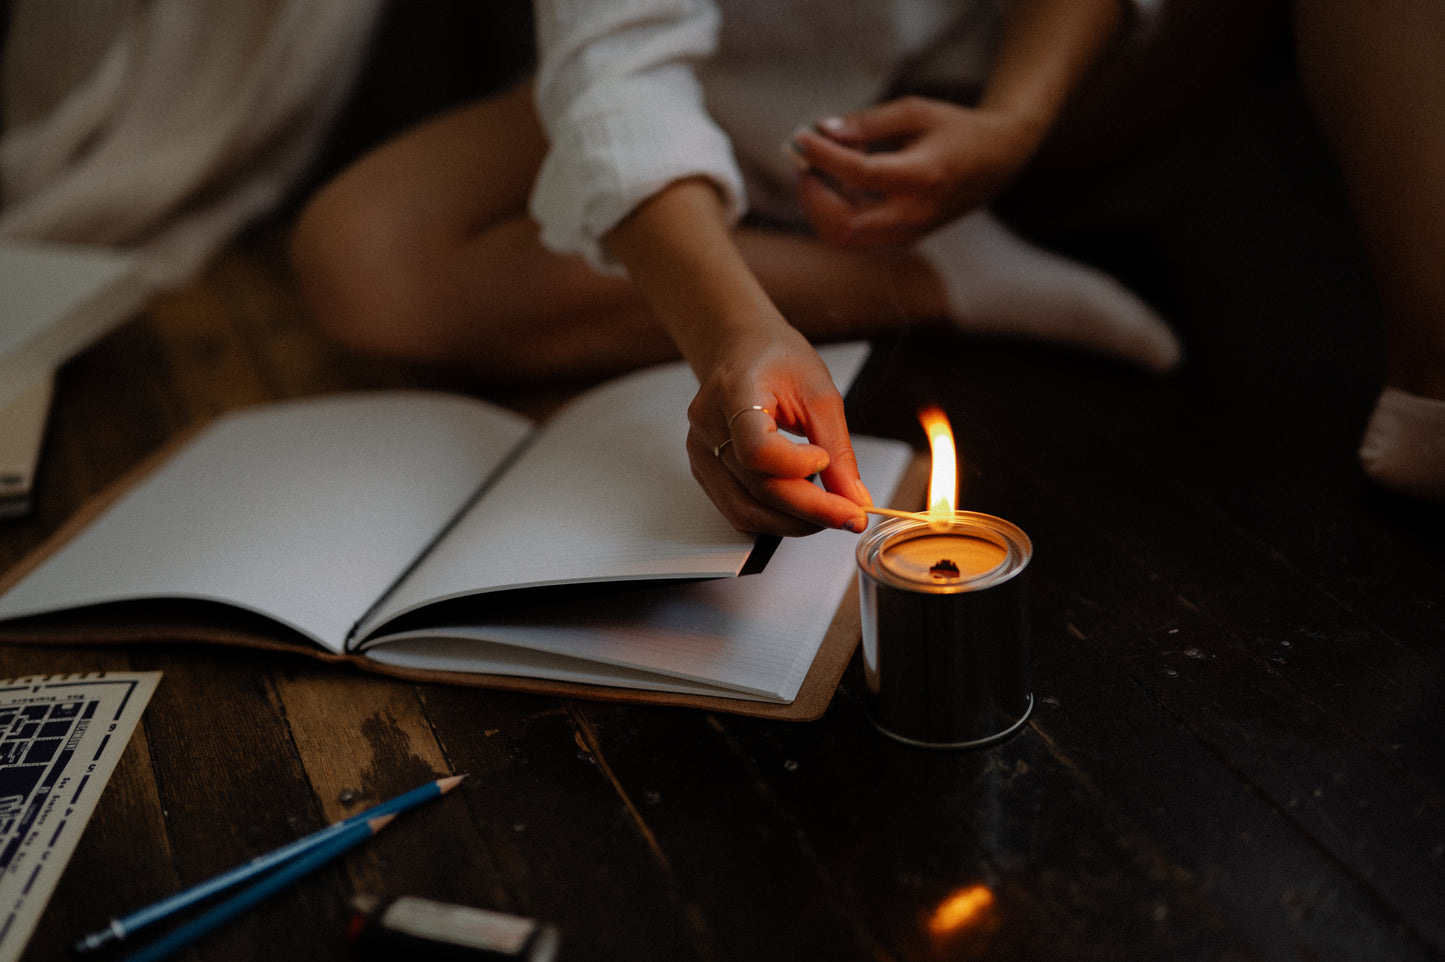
pixel 348 257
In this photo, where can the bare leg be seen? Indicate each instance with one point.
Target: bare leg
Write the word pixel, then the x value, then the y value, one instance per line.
pixel 1375 74
pixel 424 250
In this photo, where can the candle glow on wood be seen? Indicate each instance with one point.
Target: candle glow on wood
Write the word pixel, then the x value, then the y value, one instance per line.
pixel 964 908
pixel 943 483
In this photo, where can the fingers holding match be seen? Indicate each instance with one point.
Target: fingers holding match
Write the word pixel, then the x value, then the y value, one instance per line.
pixel 758 446
pixel 768 478
pixel 745 507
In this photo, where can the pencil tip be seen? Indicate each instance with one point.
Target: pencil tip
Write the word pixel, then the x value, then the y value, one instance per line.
pixel 95 941
pixel 449 783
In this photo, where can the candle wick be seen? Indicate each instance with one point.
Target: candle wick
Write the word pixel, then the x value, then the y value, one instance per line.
pixel 944 569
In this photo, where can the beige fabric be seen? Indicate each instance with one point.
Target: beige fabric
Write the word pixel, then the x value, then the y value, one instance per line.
pixel 167 125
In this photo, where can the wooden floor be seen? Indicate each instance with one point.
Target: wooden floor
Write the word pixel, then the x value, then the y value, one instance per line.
pixel 1238 658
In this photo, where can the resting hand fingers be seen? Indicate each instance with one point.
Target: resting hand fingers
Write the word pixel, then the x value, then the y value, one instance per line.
pixel 886 222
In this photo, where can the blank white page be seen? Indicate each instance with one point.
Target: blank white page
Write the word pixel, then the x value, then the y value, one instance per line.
pixel 603 494
pixel 305 510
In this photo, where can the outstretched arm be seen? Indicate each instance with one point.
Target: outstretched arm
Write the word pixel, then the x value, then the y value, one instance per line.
pixel 680 254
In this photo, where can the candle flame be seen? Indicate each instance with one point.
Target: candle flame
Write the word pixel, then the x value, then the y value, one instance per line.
pixel 943 484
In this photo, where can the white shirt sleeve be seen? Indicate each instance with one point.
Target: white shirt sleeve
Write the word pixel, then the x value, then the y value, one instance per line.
pixel 624 115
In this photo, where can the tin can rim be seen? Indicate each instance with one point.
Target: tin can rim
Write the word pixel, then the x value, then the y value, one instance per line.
pixel 1018 550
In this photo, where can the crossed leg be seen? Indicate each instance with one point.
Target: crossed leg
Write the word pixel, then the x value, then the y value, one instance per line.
pixel 424 250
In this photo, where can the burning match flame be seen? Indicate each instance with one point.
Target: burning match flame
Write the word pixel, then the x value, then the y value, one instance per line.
pixel 943 485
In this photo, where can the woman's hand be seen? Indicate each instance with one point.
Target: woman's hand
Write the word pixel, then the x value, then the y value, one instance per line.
pixel 888 175
pixel 680 254
pixel 758 478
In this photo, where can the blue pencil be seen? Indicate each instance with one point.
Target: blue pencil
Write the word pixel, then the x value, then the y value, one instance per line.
pixel 122 928
pixel 317 856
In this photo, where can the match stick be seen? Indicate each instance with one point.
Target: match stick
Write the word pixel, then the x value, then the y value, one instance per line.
pixel 894 513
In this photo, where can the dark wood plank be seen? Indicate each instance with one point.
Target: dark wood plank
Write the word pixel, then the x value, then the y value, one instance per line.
pixel 1218 651
pixel 571 845
pixel 365 739
pixel 852 845
pixel 233 787
pixel 904 830
pixel 748 881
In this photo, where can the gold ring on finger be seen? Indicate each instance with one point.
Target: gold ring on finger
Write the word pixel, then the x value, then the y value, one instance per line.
pixel 741 411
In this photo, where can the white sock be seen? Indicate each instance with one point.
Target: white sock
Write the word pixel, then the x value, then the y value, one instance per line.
pixel 1404 445
pixel 998 283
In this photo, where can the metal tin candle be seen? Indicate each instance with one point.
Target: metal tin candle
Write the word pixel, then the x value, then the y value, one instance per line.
pixel 945 628
pixel 945 616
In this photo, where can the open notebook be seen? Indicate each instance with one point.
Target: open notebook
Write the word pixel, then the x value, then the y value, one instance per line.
pixel 435 535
